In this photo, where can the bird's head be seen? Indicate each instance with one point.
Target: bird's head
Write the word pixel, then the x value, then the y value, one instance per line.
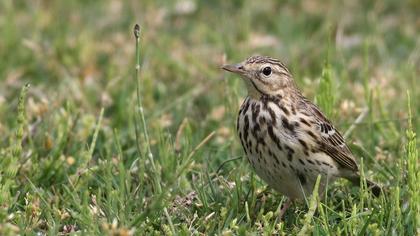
pixel 263 75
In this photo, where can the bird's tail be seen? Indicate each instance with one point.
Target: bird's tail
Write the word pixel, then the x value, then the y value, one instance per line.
pixel 374 188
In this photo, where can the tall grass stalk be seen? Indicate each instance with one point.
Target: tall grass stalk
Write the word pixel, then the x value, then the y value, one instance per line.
pixel 413 173
pixel 17 150
pixel 140 114
pixel 325 96
pixel 139 110
pixel 9 164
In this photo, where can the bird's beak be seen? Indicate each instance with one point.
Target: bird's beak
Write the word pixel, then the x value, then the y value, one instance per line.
pixel 234 68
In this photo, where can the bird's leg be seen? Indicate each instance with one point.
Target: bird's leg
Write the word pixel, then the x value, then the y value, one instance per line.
pixel 260 200
pixel 285 206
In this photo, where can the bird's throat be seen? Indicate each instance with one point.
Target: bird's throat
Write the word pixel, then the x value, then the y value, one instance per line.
pixel 253 91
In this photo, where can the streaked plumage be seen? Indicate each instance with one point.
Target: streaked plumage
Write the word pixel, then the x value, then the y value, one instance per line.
pixel 286 138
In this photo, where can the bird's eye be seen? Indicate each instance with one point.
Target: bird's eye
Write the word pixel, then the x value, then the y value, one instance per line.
pixel 266 71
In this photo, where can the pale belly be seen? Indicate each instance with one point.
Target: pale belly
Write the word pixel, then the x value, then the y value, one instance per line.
pixel 280 178
pixel 277 156
pixel 292 180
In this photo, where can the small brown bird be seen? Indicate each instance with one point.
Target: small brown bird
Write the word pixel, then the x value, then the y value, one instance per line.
pixel 287 139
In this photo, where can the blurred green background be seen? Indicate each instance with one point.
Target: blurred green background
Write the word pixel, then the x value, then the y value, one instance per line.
pixel 78 57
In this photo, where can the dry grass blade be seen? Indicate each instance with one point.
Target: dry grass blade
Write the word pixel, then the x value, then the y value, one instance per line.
pixel 179 135
pixel 189 159
pixel 358 120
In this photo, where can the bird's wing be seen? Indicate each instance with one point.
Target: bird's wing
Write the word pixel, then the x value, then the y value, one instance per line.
pixel 331 142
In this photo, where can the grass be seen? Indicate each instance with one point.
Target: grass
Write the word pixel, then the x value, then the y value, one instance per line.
pixel 96 147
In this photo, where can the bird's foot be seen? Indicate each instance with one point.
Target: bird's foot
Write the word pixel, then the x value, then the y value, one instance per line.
pixel 284 208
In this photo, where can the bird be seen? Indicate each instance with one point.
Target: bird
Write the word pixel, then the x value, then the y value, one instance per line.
pixel 286 138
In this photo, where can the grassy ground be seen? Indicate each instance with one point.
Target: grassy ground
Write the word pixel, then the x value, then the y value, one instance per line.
pixel 72 161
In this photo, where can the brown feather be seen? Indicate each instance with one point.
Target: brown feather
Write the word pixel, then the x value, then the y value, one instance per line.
pixel 332 143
